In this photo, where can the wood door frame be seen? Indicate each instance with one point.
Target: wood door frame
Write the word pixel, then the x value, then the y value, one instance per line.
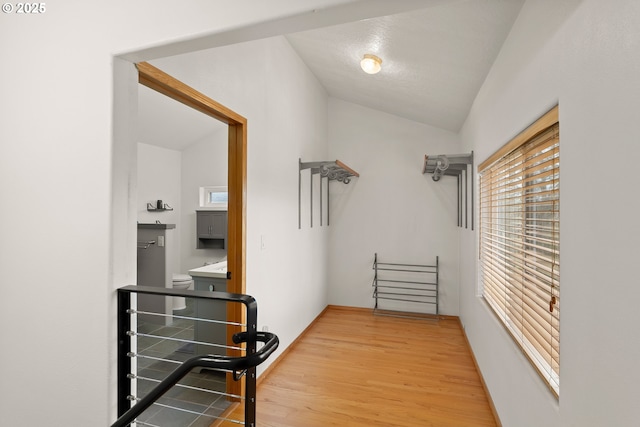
pixel 158 80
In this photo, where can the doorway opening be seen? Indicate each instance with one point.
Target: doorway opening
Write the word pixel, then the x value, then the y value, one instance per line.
pixel 157 80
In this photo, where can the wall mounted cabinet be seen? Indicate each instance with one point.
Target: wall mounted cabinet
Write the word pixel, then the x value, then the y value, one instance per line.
pixel 211 229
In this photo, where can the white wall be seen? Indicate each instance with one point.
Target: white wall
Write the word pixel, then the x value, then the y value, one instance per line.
pixel 392 208
pixel 584 55
pixel 158 178
pixel 175 177
pixel 286 110
pixel 67 188
pixel 204 163
pixel 68 110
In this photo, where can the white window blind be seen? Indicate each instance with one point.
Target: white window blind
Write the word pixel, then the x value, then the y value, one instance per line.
pixel 520 242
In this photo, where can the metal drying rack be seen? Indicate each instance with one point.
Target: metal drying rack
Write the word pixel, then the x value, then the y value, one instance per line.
pixel 408 283
pixel 333 171
pixel 454 165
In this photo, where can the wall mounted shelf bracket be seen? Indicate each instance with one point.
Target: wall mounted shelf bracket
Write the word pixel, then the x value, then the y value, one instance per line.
pixel 152 208
pixel 460 166
pixel 332 171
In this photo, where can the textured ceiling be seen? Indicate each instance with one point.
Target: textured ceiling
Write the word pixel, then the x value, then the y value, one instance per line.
pixel 434 62
pixel 434 59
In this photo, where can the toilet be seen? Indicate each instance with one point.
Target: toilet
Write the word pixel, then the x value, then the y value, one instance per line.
pixel 181 281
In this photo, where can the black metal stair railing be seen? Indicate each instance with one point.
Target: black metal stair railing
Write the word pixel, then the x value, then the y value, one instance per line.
pixel 239 366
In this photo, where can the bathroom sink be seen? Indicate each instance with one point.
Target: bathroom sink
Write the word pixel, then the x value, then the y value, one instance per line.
pixel 218 269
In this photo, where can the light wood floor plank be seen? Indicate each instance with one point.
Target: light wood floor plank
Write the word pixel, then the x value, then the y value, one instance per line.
pixel 353 369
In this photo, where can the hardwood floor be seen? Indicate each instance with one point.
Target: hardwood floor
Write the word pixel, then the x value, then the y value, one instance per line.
pixel 352 368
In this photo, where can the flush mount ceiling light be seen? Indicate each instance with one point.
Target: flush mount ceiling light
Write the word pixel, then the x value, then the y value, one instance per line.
pixel 371 64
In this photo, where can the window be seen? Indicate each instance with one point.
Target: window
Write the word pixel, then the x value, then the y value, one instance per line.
pixel 214 197
pixel 520 242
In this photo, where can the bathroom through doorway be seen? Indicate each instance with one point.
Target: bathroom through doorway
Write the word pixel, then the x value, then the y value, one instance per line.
pixel 157 80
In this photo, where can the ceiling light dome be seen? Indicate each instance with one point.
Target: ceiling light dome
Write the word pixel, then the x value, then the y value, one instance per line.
pixel 371 64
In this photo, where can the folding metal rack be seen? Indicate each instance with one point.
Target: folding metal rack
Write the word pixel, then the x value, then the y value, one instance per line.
pixel 454 165
pixel 333 171
pixel 408 283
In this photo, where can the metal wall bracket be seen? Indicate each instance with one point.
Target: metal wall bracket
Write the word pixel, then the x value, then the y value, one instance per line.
pixel 332 171
pixel 455 165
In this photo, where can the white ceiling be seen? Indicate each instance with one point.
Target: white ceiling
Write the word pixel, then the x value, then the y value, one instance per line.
pixel 167 123
pixel 434 62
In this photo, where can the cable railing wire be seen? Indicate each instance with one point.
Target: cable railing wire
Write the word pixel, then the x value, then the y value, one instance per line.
pixel 239 361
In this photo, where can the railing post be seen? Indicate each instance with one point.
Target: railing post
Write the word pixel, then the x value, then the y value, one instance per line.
pixel 124 347
pixel 127 412
pixel 250 384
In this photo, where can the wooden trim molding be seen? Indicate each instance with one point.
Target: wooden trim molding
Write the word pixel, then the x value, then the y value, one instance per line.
pixel 162 82
pixel 158 80
pixel 484 385
pixel 548 119
pixel 286 351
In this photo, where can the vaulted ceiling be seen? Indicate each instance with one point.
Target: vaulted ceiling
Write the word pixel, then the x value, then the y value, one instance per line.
pixel 167 123
pixel 434 62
